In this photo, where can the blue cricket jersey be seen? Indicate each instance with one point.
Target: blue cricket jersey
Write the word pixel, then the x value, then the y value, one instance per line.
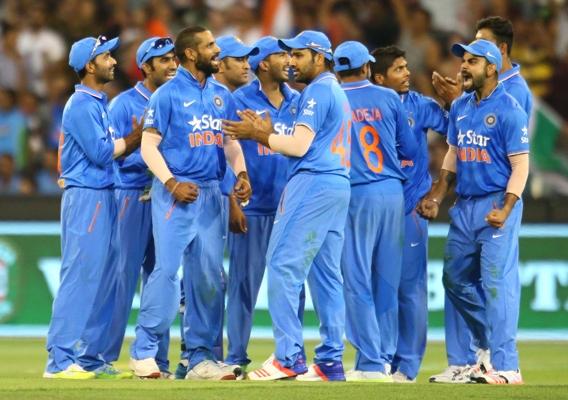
pixel 130 172
pixel 423 113
pixel 485 134
pixel 189 118
pixel 517 87
pixel 379 133
pixel 86 146
pixel 324 108
pixel 267 170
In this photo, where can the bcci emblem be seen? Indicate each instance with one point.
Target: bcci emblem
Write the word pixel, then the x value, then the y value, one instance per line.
pixel 490 120
pixel 7 260
pixel 411 122
pixel 218 101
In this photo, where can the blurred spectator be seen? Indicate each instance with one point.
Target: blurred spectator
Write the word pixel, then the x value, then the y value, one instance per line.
pixel 11 62
pixel 39 46
pixel 12 128
pixel 9 180
pixel 46 178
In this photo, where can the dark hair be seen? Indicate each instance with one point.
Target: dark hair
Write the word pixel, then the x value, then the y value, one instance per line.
pixel 384 58
pixel 501 28
pixel 187 38
pixel 328 64
pixel 82 74
pixel 350 72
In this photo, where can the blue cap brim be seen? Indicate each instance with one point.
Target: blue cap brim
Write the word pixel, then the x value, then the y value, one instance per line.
pixel 110 45
pixel 296 43
pixel 459 50
pixel 244 51
pixel 156 53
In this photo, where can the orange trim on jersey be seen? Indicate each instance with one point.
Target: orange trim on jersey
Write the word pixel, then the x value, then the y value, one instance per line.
pixel 94 219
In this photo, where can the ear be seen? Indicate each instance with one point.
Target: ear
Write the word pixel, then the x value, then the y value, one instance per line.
pixel 90 67
pixel 319 59
pixel 503 48
pixel 263 66
pixel 190 54
pixel 379 78
pixel 146 68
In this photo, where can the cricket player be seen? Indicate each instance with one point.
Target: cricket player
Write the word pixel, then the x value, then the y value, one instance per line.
pixel 233 73
pixel 155 58
pixel 82 308
pixel 184 146
pixel 251 227
pixel 460 350
pixel 307 234
pixel 372 254
pixel 488 161
pixel 391 70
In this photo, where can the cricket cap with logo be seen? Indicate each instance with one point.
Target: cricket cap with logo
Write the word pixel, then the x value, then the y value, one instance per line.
pixel 87 49
pixel 267 45
pixel 232 46
pixel 314 40
pixel 480 48
pixel 350 55
pixel 154 47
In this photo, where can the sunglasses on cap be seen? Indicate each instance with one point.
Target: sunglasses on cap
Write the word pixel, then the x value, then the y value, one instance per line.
pixel 100 41
pixel 158 44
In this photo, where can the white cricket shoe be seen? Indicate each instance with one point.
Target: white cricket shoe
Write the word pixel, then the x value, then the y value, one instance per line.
pixel 367 376
pixel 453 374
pixel 399 377
pixel 271 370
pixel 211 371
pixel 482 366
pixel 501 378
pixel 145 369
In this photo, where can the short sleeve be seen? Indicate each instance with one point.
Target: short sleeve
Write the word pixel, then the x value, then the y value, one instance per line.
pixel 436 118
pixel 313 107
pixel 515 131
pixel 452 134
pixel 159 111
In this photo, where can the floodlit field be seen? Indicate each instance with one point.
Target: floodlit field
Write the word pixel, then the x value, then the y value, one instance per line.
pixel 544 366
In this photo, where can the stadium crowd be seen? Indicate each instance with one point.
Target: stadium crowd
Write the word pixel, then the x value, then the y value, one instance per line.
pixel 35 37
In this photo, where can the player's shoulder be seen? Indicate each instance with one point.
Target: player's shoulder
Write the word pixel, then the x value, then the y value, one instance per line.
pixel 289 92
pixel 123 98
pixel 420 98
pixel 245 92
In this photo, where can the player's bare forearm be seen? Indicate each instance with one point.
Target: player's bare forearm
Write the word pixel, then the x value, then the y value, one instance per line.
pixel 509 202
pixel 498 216
pixel 429 206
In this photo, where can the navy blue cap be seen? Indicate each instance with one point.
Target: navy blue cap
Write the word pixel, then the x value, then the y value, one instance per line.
pixel 232 46
pixel 480 48
pixel 88 48
pixel 314 40
pixel 267 45
pixel 154 47
pixel 351 55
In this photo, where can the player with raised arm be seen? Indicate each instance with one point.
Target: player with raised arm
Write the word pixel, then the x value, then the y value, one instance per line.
pixel 251 226
pixel 460 350
pixel 307 235
pixel 488 161
pixel 82 308
pixel 391 70
pixel 155 58
pixel 372 254
pixel 183 146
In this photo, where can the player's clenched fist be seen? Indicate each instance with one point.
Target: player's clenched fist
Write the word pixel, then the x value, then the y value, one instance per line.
pixel 428 208
pixel 186 192
pixel 242 188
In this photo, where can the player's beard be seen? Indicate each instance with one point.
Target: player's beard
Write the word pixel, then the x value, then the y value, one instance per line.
pixel 205 65
pixel 477 81
pixel 104 75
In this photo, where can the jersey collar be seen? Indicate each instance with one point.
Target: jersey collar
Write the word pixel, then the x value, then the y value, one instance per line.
pixel 284 88
pixel 185 74
pixel 356 85
pixel 498 89
pixel 95 93
pixel 516 70
pixel 142 90
pixel 324 75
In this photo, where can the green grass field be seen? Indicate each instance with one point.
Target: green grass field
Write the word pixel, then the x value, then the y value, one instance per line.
pixel 544 366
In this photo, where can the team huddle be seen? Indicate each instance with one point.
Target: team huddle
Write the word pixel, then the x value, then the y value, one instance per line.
pixel 328 187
